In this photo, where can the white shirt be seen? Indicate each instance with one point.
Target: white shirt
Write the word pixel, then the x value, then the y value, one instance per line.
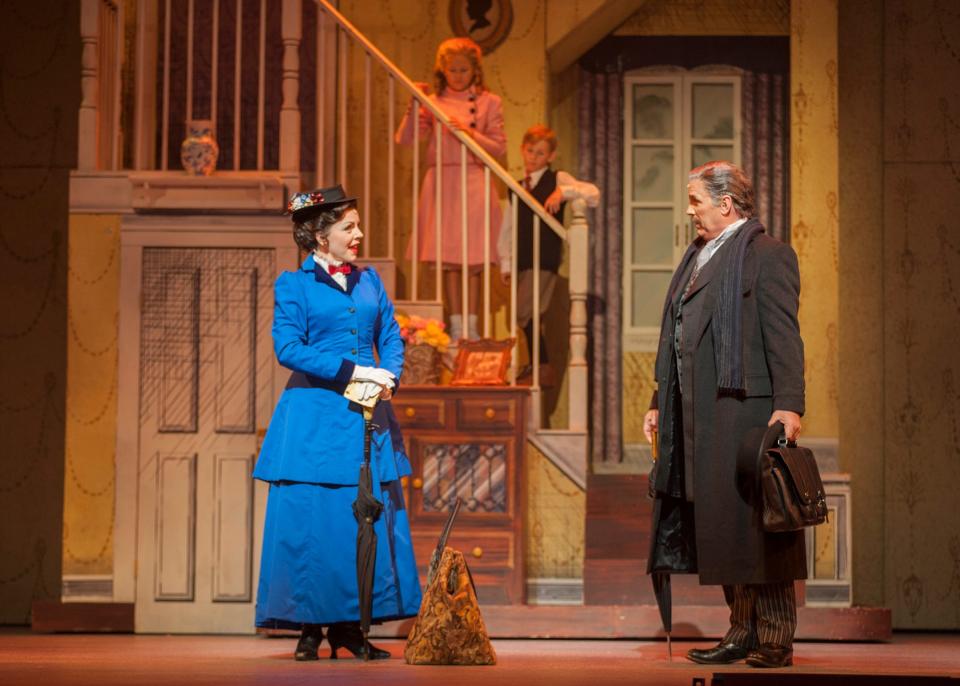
pixel 711 247
pixel 339 277
pixel 571 190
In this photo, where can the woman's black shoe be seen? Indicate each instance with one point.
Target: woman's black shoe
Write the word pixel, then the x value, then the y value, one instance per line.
pixel 350 637
pixel 310 639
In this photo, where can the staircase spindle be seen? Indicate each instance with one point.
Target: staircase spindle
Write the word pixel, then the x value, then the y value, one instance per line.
pixel 464 238
pixel 487 309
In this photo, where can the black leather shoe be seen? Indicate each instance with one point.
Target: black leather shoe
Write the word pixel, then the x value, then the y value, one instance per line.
pixel 770 655
pixel 720 654
pixel 310 639
pixel 350 637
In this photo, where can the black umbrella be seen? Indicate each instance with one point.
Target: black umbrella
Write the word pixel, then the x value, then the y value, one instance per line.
pixel 366 509
pixel 661 579
pixel 442 543
pixel 661 590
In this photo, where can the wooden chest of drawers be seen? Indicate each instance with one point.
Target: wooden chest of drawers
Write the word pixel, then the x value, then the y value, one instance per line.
pixel 469 442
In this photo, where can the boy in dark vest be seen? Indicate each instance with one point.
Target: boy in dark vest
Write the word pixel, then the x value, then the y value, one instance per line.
pixel 552 189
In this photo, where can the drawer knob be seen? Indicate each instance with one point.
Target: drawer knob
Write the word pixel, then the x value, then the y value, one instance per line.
pixel 417 482
pixel 477 552
pixel 410 413
pixel 489 413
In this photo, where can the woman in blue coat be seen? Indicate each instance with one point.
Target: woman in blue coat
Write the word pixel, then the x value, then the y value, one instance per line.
pixel 329 318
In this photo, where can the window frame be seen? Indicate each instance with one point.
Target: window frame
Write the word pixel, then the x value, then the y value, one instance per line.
pixel 646 338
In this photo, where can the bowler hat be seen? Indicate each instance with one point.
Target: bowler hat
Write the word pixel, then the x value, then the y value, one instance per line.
pixel 304 205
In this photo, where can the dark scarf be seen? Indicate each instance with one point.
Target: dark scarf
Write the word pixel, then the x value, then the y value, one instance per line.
pixel 727 324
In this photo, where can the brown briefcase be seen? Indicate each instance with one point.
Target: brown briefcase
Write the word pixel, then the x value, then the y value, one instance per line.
pixel 793 494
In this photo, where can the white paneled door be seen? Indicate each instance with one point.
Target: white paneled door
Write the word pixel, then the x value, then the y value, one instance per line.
pixel 206 371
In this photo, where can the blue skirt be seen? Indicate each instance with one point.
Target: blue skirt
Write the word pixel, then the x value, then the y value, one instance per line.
pixel 308 572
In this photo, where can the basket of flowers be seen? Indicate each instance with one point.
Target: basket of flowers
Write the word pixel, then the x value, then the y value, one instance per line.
pixel 426 340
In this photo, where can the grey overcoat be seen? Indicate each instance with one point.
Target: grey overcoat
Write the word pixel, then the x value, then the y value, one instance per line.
pixel 731 546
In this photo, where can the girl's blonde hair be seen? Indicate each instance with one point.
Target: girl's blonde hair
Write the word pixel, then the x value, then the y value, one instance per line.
pixel 458 46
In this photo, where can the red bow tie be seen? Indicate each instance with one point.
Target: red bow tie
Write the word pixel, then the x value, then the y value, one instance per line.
pixel 342 269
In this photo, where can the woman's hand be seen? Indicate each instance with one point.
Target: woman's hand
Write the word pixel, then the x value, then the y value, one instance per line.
pixel 381 377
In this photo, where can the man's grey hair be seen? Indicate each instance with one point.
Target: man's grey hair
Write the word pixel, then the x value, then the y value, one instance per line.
pixel 722 178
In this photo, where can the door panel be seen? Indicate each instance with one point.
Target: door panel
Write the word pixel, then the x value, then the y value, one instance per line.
pixel 207 380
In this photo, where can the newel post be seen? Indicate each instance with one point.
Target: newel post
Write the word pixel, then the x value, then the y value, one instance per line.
pixel 577 373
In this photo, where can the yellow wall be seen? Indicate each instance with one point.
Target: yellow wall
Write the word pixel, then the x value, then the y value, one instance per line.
pixel 91 429
pixel 709 18
pixel 900 304
pixel 555 521
pixel 814 202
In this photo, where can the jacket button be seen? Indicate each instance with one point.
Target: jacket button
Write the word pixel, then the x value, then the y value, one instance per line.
pixel 353 331
pixel 352 310
pixel 353 352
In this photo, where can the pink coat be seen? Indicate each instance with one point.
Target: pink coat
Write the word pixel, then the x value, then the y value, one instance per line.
pixel 490 135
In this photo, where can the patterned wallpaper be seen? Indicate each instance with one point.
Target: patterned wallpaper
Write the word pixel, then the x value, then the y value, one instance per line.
pixel 814 208
pixel 91 430
pixel 39 96
pixel 556 520
pixel 710 18
pixel 921 291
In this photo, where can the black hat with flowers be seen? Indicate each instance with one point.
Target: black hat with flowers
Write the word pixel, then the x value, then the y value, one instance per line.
pixel 304 205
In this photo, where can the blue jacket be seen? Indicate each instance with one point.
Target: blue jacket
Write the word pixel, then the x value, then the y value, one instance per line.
pixel 321 333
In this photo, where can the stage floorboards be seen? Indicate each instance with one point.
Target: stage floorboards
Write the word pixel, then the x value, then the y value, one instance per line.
pixel 74 660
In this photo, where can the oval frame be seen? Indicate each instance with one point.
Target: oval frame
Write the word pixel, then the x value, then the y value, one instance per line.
pixel 490 38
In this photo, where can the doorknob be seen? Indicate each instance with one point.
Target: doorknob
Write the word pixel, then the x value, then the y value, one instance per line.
pixel 417 482
pixel 489 413
pixel 410 413
pixel 477 552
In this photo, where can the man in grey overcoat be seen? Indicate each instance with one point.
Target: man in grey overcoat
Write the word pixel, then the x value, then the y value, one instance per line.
pixel 729 363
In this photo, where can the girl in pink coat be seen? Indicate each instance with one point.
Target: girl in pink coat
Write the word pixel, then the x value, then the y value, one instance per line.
pixel 460 92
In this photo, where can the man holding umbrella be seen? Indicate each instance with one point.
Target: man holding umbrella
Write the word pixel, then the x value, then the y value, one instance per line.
pixel 729 363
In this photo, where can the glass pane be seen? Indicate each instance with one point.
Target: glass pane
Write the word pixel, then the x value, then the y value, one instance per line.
pixel 653 173
pixel 649 290
pixel 706 153
pixel 653 111
pixel 474 471
pixel 713 110
pixel 652 236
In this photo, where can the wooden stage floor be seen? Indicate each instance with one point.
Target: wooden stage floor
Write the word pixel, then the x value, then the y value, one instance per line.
pixel 74 660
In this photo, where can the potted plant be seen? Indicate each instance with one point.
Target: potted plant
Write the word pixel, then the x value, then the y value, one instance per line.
pixel 426 340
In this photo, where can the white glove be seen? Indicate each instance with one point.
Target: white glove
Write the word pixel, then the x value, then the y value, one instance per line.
pixel 378 376
pixel 371 390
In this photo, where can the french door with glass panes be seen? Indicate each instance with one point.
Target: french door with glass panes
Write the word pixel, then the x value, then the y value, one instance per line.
pixel 673 121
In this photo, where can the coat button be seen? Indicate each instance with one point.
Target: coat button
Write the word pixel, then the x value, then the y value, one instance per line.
pixel 353 331
pixel 353 352
pixel 352 310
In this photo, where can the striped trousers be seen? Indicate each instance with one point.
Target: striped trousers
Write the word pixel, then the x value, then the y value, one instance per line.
pixel 761 613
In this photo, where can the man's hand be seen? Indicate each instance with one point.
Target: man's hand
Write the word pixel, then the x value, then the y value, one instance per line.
pixel 552 203
pixel 650 421
pixel 790 421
